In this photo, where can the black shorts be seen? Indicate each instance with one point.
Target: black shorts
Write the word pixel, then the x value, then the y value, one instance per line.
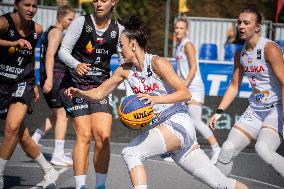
pixel 76 107
pixel 53 98
pixel 20 92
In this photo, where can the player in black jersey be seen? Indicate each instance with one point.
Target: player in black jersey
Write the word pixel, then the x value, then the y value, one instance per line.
pixel 52 72
pixel 87 48
pixel 18 37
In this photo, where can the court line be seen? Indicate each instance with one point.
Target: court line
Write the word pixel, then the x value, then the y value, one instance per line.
pixel 236 176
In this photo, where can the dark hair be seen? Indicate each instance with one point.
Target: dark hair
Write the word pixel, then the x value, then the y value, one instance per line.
pixel 134 29
pixel 63 11
pixel 17 1
pixel 253 9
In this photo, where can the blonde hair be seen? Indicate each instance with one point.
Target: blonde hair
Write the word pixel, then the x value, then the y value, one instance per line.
pixel 182 19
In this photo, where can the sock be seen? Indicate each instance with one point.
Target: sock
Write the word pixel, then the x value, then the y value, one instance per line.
pixel 59 147
pixel 80 180
pixel 100 179
pixel 37 135
pixel 3 163
pixel 140 187
pixel 45 166
pixel 215 147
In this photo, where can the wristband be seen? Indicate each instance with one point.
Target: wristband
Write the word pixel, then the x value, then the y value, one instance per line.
pixel 219 111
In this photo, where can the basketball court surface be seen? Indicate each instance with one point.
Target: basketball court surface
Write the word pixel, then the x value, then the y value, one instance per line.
pixel 23 173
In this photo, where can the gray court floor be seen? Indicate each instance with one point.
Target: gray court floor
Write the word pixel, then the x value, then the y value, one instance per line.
pixel 22 173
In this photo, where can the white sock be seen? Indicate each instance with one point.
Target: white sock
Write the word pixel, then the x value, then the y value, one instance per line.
pixel 59 147
pixel 100 179
pixel 37 135
pixel 215 147
pixel 80 180
pixel 45 166
pixel 140 187
pixel 3 163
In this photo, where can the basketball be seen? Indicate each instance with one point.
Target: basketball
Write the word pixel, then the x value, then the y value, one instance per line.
pixel 134 113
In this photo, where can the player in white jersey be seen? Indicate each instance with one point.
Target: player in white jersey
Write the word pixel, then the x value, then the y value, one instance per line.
pixel 154 79
pixel 188 70
pixel 261 60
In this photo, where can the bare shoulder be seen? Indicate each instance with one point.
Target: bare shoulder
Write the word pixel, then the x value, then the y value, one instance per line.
pixel 4 24
pixel 55 32
pixel 38 28
pixel 271 47
pixel 189 45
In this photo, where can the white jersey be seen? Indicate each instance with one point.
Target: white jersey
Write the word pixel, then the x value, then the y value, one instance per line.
pixel 196 86
pixel 266 89
pixel 147 81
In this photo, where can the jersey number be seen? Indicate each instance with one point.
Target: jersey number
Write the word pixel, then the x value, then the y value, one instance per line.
pixel 20 61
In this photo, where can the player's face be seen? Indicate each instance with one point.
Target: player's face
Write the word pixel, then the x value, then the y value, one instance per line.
pixel 67 19
pixel 127 49
pixel 180 30
pixel 26 9
pixel 247 25
pixel 103 7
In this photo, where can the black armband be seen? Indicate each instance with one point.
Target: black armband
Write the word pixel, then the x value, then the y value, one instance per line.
pixel 219 111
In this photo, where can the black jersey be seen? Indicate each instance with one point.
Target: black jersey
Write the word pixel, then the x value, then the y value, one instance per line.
pixel 59 66
pixel 17 64
pixel 95 50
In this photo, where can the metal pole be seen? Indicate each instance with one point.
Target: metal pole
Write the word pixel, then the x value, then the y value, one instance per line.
pixel 167 20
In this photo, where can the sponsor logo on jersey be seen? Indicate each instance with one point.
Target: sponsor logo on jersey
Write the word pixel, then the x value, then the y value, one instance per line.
pixel 145 88
pixel 104 101
pixel 149 71
pixel 260 95
pixel 11 33
pixel 258 54
pixel 253 69
pixel 35 35
pixel 102 51
pixel 113 34
pixel 78 107
pixel 13 50
pixel 89 48
pixel 79 100
pixel 88 29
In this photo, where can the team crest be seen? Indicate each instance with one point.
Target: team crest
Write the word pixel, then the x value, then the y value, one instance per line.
pixel 113 34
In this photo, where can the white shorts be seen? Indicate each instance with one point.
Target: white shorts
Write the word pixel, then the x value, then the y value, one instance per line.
pixel 253 120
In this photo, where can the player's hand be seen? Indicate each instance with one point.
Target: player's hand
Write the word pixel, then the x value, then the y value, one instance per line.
pixel 47 85
pixel 149 99
pixel 83 68
pixel 213 120
pixel 71 92
pixel 36 94
pixel 23 44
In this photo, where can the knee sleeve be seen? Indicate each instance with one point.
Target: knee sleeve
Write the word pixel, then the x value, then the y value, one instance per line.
pixel 198 164
pixel 264 152
pixel 227 152
pixel 142 147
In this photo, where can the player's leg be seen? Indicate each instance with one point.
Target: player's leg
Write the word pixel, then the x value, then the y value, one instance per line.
pixel 196 162
pixel 195 112
pixel 83 132
pixel 59 157
pixel 153 142
pixel 101 122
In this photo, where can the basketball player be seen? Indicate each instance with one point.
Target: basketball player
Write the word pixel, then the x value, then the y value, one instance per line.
pixel 188 70
pixel 52 72
pixel 86 49
pixel 18 37
pixel 261 60
pixel 173 132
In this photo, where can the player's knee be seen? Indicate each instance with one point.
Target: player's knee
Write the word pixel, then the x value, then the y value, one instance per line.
pixel 11 130
pixel 84 137
pixel 132 158
pixel 264 152
pixel 227 152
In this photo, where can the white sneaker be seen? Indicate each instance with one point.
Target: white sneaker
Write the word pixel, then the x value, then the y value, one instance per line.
pixel 215 155
pixel 61 160
pixel 50 179
pixel 1 181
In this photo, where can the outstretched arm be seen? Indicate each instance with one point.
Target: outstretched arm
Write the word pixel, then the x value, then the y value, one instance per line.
pixel 231 91
pixel 103 90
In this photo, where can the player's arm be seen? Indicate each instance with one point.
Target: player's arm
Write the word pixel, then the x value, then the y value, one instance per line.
pixel 165 70
pixel 54 40
pixel 233 89
pixel 274 56
pixel 103 90
pixel 190 52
